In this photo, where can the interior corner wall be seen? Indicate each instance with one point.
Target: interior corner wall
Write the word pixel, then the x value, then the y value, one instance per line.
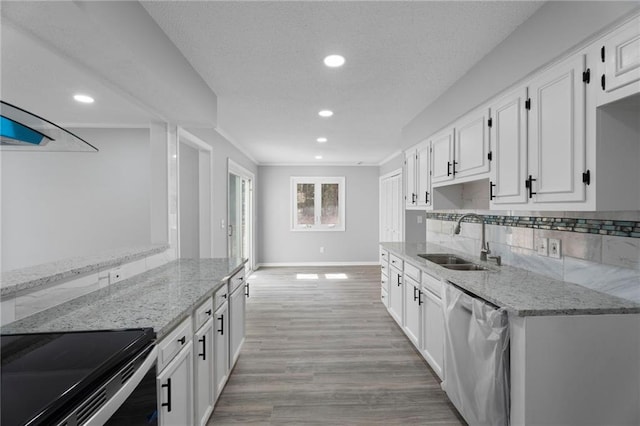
pixel 222 150
pixel 392 164
pixel 277 244
pixel 58 205
pixel 554 29
pixel 189 213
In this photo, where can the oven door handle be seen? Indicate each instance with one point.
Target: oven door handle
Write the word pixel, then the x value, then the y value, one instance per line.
pixel 111 406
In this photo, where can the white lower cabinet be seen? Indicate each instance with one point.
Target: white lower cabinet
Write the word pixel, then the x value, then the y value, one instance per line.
pixel 175 388
pixel 204 378
pixel 237 305
pixel 221 347
pixel 433 332
pixel 396 295
pixel 412 310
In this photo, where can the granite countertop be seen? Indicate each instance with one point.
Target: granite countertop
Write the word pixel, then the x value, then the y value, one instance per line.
pixel 160 298
pixel 18 280
pixel 519 291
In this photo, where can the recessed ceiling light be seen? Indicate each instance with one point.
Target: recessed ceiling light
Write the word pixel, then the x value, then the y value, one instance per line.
pixel 318 157
pixel 321 140
pixel 85 99
pixel 334 61
pixel 325 113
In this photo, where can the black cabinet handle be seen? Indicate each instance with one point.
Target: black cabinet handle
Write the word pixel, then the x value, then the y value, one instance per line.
pixel 221 319
pixel 413 198
pixel 246 293
pixel 529 185
pixel 204 347
pixel 426 197
pixel 448 168
pixel 182 340
pixel 454 167
pixel 491 185
pixel 602 83
pixel 168 403
pixel 241 278
pixel 415 296
pixel 399 282
pixel 224 295
pixel 208 312
pixel 420 302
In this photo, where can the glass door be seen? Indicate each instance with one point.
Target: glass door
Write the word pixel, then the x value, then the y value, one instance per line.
pixel 239 226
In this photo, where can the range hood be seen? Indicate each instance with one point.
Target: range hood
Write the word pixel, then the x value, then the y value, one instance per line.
pixel 21 130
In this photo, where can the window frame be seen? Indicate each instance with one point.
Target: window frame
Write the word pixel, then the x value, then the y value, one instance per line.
pixel 317 182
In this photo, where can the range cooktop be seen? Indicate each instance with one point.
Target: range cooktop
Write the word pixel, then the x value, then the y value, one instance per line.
pixel 43 373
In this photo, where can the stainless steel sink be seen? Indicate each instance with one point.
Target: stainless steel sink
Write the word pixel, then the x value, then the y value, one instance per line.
pixel 451 261
pixel 445 259
pixel 466 267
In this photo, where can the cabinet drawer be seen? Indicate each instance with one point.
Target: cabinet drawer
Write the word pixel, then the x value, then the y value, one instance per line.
pixel 221 296
pixel 175 340
pixel 384 297
pixel 412 271
pixel 395 261
pixel 432 284
pixel 236 281
pixel 203 313
pixel 384 255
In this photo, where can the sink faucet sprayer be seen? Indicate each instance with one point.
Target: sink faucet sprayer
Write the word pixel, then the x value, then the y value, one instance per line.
pixel 484 250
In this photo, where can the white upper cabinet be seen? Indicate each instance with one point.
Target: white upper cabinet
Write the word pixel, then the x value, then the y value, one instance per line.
pixel 619 68
pixel 423 175
pixel 557 133
pixel 509 148
pixel 410 178
pixel 471 145
pixel 442 157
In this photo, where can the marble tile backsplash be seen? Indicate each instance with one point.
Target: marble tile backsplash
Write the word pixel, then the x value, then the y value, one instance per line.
pixel 606 263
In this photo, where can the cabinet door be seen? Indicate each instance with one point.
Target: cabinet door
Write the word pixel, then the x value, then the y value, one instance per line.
pixel 412 310
pixel 396 295
pixel 237 305
pixel 204 378
pixel 556 133
pixel 175 389
pixel 433 337
pixel 621 57
pixel 472 144
pixel 410 178
pixel 509 148
pixel 221 347
pixel 442 157
pixel 423 172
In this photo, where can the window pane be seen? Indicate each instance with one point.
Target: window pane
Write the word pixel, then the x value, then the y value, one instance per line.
pixel 306 203
pixel 330 212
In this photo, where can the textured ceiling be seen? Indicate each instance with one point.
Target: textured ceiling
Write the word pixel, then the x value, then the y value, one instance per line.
pixel 264 61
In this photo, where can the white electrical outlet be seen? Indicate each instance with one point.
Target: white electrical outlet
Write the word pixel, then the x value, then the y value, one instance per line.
pixel 555 250
pixel 542 247
pixel 321 249
pixel 419 219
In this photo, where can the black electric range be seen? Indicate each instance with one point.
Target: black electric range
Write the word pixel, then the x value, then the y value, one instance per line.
pixel 44 375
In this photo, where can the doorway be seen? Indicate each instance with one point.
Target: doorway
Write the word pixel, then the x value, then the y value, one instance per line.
pixel 240 214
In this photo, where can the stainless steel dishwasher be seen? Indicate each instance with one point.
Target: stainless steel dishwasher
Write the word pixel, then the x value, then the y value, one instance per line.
pixel 476 365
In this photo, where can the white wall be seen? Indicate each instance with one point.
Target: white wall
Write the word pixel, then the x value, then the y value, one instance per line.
pixel 57 205
pixel 189 214
pixel 555 28
pixel 278 244
pixel 222 150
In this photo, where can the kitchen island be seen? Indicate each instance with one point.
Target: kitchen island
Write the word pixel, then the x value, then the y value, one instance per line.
pixel 574 352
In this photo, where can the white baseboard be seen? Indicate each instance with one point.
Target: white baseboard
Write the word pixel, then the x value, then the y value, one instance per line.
pixel 280 264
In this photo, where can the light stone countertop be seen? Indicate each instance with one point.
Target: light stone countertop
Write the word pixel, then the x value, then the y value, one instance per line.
pixel 519 291
pixel 18 280
pixel 160 298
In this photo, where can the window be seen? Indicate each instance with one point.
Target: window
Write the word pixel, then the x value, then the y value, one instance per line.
pixel 317 204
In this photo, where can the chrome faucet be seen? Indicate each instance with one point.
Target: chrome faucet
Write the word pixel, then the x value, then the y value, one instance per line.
pixel 484 250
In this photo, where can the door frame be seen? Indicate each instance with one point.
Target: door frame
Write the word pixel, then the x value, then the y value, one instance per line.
pixel 395 172
pixel 238 170
pixel 205 190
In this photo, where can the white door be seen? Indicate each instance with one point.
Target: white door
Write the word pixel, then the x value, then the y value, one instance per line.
pixel 442 157
pixel 221 347
pixel 509 148
pixel 423 172
pixel 621 57
pixel 396 295
pixel 556 133
pixel 391 206
pixel 410 178
pixel 236 323
pixel 433 337
pixel 175 389
pixel 412 310
pixel 240 230
pixel 204 378
pixel 472 144
pixel 396 209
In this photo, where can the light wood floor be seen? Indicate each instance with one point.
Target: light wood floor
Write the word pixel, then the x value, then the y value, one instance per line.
pixel 326 352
